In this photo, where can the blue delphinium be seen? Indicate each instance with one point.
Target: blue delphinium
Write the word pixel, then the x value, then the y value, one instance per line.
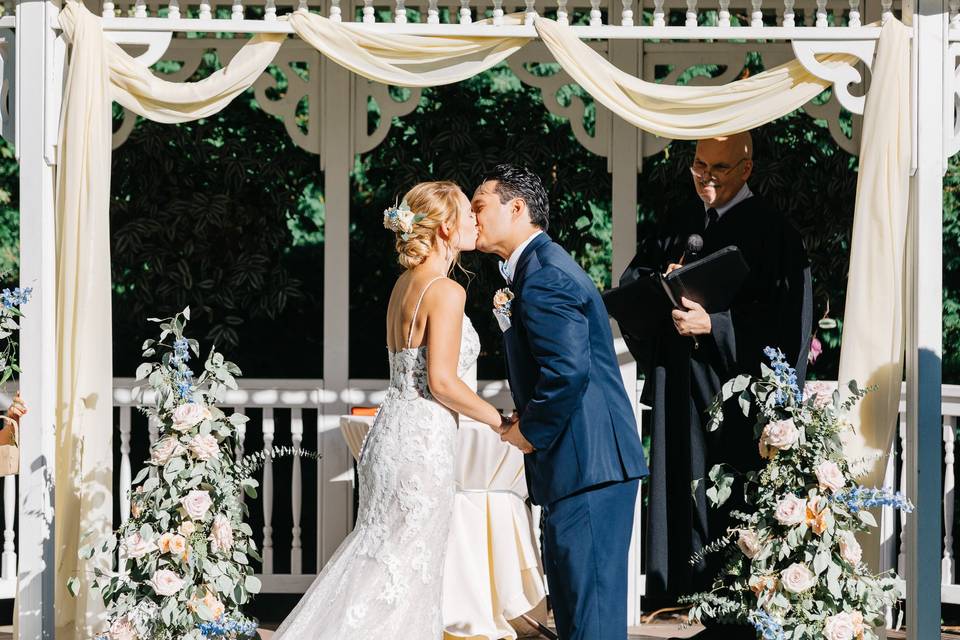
pixel 182 375
pixel 766 625
pixel 16 298
pixel 223 628
pixel 858 498
pixel 785 374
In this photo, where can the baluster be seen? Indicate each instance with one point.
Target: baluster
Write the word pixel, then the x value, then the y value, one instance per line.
pixel 658 19
pixel 723 16
pixel 108 11
pixel 789 18
pixel 125 477
pixel 236 10
pixel 205 13
pixel 888 524
pixel 691 13
pixel 902 555
pixel 949 440
pixel 822 14
pixel 400 12
pixel 626 18
pixel 433 15
pixel 369 16
pixel 756 17
pixel 955 14
pixel 8 8
pixel 153 428
pixel 140 9
pixel 173 10
pixel 853 20
pixel 8 560
pixel 268 431
pixel 335 10
pixel 596 18
pixel 886 10
pixel 530 12
pixel 270 10
pixel 498 13
pixel 465 17
pixel 296 494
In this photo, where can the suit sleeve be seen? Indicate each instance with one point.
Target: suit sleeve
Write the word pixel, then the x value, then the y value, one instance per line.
pixel 553 316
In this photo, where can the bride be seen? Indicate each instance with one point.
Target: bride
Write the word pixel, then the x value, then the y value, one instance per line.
pixel 385 580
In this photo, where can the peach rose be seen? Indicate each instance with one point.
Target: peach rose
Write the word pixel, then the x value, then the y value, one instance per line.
pixel 213 603
pixel 749 543
pixel 221 534
pixel 187 528
pixel 816 516
pixel 123 629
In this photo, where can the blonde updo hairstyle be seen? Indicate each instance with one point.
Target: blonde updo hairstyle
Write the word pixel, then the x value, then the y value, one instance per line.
pixel 438 203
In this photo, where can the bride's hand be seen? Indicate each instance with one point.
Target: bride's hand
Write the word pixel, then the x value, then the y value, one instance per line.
pixel 515 437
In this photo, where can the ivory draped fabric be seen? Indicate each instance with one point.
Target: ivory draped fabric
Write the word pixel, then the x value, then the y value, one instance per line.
pixel 100 71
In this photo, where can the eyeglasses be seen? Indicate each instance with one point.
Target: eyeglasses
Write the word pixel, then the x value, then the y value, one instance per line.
pixel 705 173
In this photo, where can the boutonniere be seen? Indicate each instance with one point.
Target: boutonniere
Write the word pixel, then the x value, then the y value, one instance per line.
pixel 502 303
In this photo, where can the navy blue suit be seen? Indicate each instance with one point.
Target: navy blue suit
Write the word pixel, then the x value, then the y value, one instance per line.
pixel 573 408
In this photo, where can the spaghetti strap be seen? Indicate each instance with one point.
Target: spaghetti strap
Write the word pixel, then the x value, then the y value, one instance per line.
pixel 413 320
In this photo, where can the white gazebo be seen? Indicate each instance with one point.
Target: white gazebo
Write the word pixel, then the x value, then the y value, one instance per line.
pixel 635 38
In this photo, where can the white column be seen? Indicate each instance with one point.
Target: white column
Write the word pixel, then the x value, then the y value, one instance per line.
pixel 623 162
pixel 924 323
pixel 335 499
pixel 34 89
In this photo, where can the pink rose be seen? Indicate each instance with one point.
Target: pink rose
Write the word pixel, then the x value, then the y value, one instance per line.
pixel 213 603
pixel 221 534
pixel 849 547
pixel 797 578
pixel 196 504
pixel 821 392
pixel 778 436
pixel 136 547
pixel 122 629
pixel 189 415
pixel 204 447
pixel 749 543
pixel 829 476
pixel 165 449
pixel 187 528
pixel 791 510
pixel 841 626
pixel 166 583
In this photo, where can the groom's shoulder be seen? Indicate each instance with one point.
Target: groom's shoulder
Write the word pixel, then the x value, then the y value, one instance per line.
pixel 552 258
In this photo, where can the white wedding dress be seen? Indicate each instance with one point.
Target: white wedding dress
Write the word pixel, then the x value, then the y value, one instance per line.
pixel 386 579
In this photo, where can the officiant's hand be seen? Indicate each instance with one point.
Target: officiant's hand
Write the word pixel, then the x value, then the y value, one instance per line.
pixel 672 267
pixel 514 437
pixel 693 320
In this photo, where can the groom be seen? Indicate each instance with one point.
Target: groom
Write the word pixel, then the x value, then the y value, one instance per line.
pixel 579 433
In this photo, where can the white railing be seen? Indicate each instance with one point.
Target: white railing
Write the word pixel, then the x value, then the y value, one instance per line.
pixel 783 19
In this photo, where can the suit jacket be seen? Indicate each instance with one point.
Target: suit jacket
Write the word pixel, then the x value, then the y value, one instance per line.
pixel 565 379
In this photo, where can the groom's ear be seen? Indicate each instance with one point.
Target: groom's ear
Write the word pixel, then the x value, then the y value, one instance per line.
pixel 517 207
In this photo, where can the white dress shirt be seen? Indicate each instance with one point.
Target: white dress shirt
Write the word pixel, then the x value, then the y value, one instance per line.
pixel 507 268
pixel 742 195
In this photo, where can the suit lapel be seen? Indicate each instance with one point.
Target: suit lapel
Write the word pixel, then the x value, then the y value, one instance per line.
pixel 524 260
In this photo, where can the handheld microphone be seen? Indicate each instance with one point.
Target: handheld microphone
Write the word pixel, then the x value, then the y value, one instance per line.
pixel 694 247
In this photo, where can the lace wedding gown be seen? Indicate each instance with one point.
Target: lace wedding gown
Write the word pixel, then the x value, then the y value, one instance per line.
pixel 385 581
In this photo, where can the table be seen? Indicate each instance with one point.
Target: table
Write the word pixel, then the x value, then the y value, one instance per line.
pixel 492 573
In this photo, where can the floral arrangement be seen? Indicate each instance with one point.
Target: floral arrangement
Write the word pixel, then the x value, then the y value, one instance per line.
pixel 400 219
pixel 10 303
pixel 184 569
pixel 792 568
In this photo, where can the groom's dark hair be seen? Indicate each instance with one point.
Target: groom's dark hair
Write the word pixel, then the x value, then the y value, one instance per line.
pixel 520 182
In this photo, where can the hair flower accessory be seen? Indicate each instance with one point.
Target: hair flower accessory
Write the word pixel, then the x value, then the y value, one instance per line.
pixel 400 219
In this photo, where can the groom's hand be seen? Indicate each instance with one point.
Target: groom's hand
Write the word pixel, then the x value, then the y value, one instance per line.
pixel 514 437
pixel 692 320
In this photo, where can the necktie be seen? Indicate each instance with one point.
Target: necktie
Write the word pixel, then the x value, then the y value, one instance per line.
pixel 505 272
pixel 712 217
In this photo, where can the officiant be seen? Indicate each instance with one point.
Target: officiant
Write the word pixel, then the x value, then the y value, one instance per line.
pixel 691 353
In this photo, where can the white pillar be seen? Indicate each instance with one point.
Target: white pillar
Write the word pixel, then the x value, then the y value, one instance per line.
pixel 924 323
pixel 623 159
pixel 335 499
pixel 35 88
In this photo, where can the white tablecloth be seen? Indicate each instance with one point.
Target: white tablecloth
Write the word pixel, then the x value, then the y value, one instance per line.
pixel 493 572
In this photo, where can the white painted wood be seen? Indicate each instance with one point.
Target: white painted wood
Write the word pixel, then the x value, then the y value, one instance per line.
pixel 205 10
pixel 853 19
pixel 596 17
pixel 433 14
pixel 925 326
pixel 335 10
pixel 296 492
pixel 8 72
pixel 140 9
pixel 562 16
pixel 236 9
pixel 949 442
pixel 691 13
pixel 465 16
pixel 626 16
pixel 36 574
pixel 788 15
pixel 399 12
pixel 821 14
pixel 125 473
pixel 756 15
pixel 530 11
pixel 659 19
pixel 268 493
pixel 369 15
pixel 153 428
pixel 723 16
pixel 904 522
pixel 8 559
pixel 270 11
pixel 888 523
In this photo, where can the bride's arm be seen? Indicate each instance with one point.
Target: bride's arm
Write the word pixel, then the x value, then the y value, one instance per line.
pixel 444 325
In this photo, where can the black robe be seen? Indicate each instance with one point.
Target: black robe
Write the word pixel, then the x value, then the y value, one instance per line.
pixel 773 308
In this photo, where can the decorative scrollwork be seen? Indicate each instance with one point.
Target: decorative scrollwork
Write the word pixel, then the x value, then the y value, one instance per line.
pixel 301 66
pixel 953 58
pixel 8 67
pixel 390 107
pixel 841 77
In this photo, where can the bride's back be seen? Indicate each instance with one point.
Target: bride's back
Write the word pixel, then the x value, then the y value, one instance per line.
pixel 408 310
